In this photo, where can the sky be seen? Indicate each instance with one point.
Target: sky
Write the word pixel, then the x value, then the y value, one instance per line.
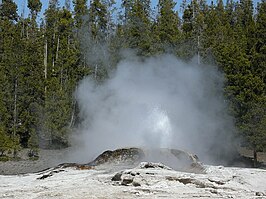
pixel 23 3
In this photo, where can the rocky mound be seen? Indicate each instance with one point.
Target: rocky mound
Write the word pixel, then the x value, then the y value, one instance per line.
pixel 130 157
pixel 119 156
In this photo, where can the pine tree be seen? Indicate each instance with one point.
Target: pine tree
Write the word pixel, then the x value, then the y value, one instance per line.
pixel 254 120
pixel 187 25
pixel 244 88
pixel 138 27
pixel 168 23
pixel 31 78
pixel 63 73
pixel 246 23
pixel 9 10
pixel 35 7
pixel 96 41
pixel 254 127
pixel 67 66
pixel 9 71
pixel 5 142
pixel 229 12
pixel 193 28
pixel 98 20
pixel 52 91
pixel 259 48
pixel 80 10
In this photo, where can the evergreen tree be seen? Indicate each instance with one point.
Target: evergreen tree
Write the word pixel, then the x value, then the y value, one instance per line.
pixel 53 135
pixel 30 80
pixel 192 27
pixel 98 20
pixel 245 24
pixel 80 14
pixel 5 141
pixel 35 6
pixel 9 71
pixel 254 127
pixel 97 39
pixel 259 48
pixel 80 10
pixel 9 10
pixel 254 121
pixel 229 12
pixel 138 27
pixel 168 23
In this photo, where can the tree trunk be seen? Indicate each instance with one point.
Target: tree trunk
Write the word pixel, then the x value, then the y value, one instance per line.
pixel 53 60
pixel 45 64
pixel 61 78
pixel 95 71
pixel 15 109
pixel 73 114
pixel 198 50
pixel 27 32
pixel 255 156
pixel 57 48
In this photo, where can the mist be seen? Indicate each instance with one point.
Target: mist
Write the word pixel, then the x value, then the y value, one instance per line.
pixel 157 102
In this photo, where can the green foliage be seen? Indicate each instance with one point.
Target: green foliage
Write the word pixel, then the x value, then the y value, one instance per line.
pixel 4 158
pixel 57 118
pixel 98 20
pixel 167 24
pixel 35 6
pixel 137 30
pixel 8 10
pixel 81 10
pixel 33 142
pixel 259 45
pixel 5 141
pixel 254 125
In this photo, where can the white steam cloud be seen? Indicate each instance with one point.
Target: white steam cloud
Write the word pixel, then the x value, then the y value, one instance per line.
pixel 156 102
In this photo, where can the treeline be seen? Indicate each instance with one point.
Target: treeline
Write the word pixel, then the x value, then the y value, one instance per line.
pixel 42 63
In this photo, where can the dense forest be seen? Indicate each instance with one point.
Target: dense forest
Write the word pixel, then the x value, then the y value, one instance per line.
pixel 42 59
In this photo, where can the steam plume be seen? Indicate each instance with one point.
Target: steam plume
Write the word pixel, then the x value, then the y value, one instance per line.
pixel 156 102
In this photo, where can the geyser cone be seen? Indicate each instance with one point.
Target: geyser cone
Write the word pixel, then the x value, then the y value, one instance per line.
pixel 130 157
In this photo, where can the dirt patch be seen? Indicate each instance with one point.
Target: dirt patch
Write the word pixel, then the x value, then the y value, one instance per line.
pixel 245 159
pixel 47 159
pixel 249 154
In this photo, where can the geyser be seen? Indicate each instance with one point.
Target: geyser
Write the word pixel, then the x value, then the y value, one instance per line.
pixel 154 102
pixel 159 127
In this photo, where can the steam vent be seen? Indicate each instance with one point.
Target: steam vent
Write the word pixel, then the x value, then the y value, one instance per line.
pixel 131 157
